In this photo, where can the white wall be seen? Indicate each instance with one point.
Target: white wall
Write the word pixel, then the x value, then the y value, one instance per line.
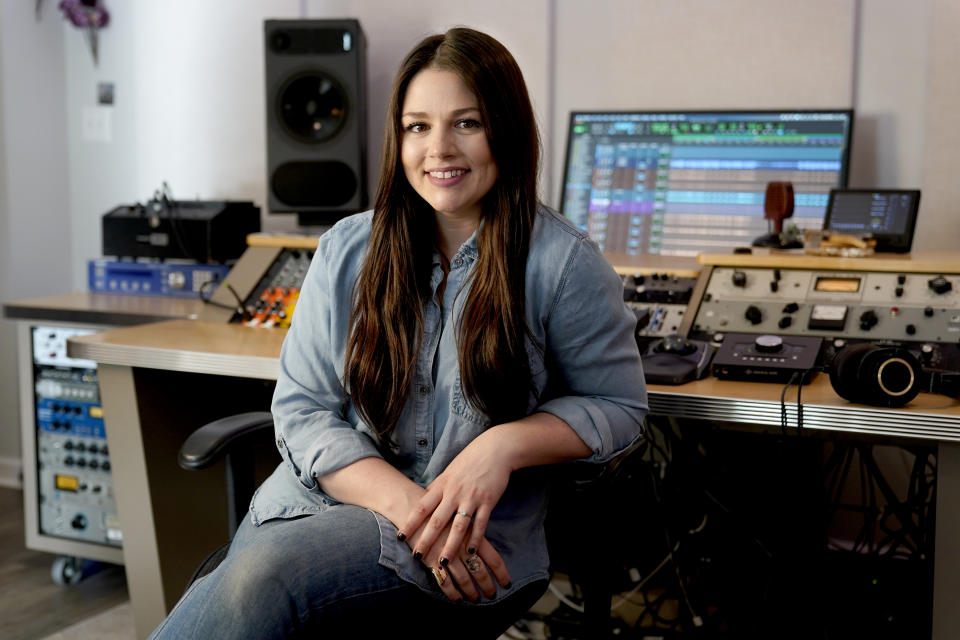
pixel 190 107
pixel 34 202
pixel 700 54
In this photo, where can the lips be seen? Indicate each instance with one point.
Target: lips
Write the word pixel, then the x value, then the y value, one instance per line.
pixel 447 177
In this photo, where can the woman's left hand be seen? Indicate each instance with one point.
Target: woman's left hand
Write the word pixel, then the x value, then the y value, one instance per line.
pixel 466 493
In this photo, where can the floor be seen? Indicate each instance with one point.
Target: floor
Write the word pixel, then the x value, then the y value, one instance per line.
pixel 33 607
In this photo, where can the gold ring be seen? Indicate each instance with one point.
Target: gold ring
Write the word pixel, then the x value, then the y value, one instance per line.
pixel 438 575
pixel 473 564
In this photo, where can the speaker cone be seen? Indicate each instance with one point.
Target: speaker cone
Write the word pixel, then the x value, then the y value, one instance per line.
pixel 312 107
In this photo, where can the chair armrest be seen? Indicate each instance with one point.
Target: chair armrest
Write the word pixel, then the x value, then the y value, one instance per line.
pixel 209 443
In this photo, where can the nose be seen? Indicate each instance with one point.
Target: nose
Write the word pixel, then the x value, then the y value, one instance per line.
pixel 442 143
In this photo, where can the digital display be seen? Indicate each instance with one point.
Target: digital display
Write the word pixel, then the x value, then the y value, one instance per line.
pixel 684 183
pixel 837 285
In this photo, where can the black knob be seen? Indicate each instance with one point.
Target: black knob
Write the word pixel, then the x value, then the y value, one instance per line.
pixel 911 329
pixel 68 461
pixel 926 353
pixel 105 466
pixel 774 285
pixel 776 274
pixel 901 279
pixel 785 322
pixel 104 450
pixel 928 311
pixel 639 280
pixel 79 522
pixel 739 279
pixel 768 344
pixel 753 314
pixel 68 445
pixel 898 291
pixel 81 447
pixel 939 284
pixel 868 320
pixel 791 307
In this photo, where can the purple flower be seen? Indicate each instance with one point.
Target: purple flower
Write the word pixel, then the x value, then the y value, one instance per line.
pixel 85 13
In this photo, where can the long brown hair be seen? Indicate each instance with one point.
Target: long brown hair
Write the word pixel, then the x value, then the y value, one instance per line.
pixel 394 282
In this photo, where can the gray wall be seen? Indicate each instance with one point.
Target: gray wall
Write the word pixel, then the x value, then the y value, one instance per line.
pixel 189 106
pixel 35 216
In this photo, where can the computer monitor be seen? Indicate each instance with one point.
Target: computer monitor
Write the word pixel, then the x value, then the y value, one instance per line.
pixel 889 215
pixel 687 182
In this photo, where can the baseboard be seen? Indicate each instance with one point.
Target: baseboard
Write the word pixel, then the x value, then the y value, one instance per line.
pixel 11 473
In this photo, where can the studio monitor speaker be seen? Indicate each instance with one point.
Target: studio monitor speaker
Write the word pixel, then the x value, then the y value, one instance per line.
pixel 316 118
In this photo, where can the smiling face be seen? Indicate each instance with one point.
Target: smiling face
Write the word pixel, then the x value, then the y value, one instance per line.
pixel 444 151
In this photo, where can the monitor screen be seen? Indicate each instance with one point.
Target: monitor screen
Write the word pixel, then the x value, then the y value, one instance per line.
pixel 683 183
pixel 889 215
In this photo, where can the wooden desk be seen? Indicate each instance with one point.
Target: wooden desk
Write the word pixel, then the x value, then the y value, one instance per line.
pixel 155 376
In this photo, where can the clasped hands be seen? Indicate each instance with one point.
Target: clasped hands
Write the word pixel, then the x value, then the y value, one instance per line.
pixel 449 521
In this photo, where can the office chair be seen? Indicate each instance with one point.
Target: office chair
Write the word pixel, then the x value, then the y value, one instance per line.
pixel 590 521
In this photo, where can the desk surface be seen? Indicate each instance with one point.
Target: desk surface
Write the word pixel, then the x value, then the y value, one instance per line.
pixel 235 350
pixel 103 308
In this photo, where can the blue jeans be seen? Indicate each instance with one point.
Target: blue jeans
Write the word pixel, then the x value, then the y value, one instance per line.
pixel 318 576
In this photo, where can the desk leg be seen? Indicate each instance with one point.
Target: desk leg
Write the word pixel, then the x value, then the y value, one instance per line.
pixel 946 570
pixel 132 490
pixel 171 518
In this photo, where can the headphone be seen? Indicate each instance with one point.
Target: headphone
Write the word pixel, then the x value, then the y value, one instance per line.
pixel 886 376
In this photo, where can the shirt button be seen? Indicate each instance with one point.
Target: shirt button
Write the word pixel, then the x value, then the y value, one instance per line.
pixel 424 389
pixel 422 442
pixel 457 262
pixel 279 443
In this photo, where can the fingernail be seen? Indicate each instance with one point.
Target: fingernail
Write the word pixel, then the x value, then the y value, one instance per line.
pixel 417 555
pixel 471 550
pixel 401 536
pixel 509 585
pixel 443 561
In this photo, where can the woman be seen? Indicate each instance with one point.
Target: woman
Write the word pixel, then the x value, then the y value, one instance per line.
pixel 445 347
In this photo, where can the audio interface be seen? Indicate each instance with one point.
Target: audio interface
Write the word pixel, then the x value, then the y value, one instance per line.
pixel 75 485
pixel 176 279
pixel 766 358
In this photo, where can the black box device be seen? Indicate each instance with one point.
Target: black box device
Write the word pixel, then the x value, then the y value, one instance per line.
pixel 888 214
pixel 203 231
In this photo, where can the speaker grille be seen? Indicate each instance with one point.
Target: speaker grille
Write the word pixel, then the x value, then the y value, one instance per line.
pixel 320 183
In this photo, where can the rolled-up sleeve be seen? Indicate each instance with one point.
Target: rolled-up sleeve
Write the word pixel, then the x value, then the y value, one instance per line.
pixel 591 343
pixel 314 436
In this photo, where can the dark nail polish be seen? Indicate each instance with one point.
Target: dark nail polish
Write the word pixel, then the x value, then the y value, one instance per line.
pixel 509 585
pixel 401 536
pixel 443 561
pixel 417 555
pixel 471 550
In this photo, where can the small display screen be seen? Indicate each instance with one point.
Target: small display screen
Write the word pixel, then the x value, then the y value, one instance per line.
pixel 838 285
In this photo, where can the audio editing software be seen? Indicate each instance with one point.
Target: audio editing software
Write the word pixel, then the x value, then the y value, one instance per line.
pixel 686 183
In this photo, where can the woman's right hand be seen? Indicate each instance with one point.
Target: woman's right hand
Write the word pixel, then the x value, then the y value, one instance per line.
pixel 466 571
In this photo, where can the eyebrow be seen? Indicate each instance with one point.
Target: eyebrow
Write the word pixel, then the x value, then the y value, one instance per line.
pixel 455 113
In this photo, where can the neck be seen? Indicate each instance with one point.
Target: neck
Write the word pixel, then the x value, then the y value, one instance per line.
pixel 453 232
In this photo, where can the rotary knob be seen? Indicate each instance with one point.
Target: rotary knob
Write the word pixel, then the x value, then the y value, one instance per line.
pixel 939 284
pixel 739 279
pixel 768 344
pixel 176 280
pixel 868 320
pixel 753 314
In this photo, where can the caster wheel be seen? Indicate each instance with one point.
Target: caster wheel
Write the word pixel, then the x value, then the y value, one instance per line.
pixel 67 570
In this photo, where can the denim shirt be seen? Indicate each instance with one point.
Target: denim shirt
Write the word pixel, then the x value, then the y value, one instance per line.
pixel 583 358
